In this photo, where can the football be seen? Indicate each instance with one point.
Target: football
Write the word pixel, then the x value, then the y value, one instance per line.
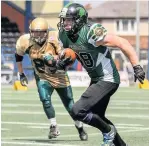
pixel 69 53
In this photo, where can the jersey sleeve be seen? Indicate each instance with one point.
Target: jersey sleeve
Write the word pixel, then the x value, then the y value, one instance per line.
pixel 96 33
pixel 22 44
pixel 53 39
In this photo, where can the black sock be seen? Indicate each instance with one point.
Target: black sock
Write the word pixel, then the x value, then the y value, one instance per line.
pixel 118 141
pixel 97 122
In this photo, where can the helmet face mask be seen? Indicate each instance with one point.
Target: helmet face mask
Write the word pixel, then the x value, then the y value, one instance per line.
pixel 68 24
pixel 72 18
pixel 39 36
pixel 39 30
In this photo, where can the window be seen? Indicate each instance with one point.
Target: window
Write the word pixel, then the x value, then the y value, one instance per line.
pixel 143 54
pixel 118 25
pixel 125 26
pixel 133 25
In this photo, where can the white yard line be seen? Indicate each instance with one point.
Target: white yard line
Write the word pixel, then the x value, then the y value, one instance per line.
pixel 5 129
pixel 35 90
pixel 127 107
pixel 27 112
pixel 74 135
pixel 130 116
pixel 130 101
pixel 61 105
pixel 27 105
pixel 24 99
pixel 131 91
pixel 23 123
pixel 134 130
pixel 60 125
pixel 29 123
pixel 34 143
pixel 124 124
pixel 38 125
pixel 113 101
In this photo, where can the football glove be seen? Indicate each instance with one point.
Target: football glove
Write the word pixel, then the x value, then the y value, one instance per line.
pixel 23 79
pixel 64 62
pixel 47 58
pixel 139 73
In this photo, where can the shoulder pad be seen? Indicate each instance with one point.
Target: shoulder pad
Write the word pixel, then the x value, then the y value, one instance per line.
pixel 96 32
pixel 53 36
pixel 22 44
pixel 53 39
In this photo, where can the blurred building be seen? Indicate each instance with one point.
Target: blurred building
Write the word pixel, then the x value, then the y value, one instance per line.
pixel 119 17
pixel 16 11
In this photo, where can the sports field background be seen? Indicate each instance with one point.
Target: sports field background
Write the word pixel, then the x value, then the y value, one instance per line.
pixel 24 123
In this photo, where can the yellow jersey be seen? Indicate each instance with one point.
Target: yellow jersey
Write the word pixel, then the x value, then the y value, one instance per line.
pixel 25 45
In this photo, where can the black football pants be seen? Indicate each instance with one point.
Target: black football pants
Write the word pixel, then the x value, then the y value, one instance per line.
pixel 91 107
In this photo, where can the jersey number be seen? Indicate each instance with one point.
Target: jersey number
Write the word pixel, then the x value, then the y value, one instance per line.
pixel 87 59
pixel 39 64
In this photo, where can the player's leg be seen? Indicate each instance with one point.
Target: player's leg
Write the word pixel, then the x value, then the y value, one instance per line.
pixel 66 96
pixel 82 109
pixel 100 109
pixel 45 91
pixel 118 141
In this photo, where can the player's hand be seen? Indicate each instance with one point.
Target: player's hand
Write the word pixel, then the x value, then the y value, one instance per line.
pixel 139 73
pixel 47 57
pixel 49 60
pixel 23 79
pixel 64 62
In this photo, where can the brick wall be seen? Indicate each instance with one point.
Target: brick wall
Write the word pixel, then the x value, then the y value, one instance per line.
pixel 143 41
pixel 13 15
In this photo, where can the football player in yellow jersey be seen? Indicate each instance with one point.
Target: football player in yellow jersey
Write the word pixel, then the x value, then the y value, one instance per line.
pixel 43 48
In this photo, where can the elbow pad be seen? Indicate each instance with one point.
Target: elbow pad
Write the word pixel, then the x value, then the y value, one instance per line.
pixel 18 57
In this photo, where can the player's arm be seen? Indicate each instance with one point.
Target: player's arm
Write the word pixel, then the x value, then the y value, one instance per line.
pixel 123 44
pixel 53 39
pixel 63 62
pixel 101 37
pixel 20 47
pixel 57 59
pixel 19 59
pixel 128 50
pixel 50 59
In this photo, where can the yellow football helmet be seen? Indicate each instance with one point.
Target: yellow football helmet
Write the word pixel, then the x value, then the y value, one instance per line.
pixel 39 30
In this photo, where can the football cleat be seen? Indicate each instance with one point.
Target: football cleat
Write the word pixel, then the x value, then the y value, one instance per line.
pixel 109 137
pixel 54 132
pixel 82 134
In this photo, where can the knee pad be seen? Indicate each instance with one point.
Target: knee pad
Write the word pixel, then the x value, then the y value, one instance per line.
pixel 46 103
pixel 82 115
pixel 88 118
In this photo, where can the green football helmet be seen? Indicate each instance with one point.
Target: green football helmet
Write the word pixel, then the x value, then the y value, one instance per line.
pixel 72 18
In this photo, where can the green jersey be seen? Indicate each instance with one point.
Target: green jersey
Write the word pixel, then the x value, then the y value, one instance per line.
pixel 96 60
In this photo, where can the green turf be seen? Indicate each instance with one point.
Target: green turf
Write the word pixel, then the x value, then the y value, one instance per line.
pixel 24 122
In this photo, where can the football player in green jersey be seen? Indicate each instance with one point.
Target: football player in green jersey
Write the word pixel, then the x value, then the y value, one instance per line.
pixel 90 41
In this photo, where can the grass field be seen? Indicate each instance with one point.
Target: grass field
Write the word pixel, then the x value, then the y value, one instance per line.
pixel 24 122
